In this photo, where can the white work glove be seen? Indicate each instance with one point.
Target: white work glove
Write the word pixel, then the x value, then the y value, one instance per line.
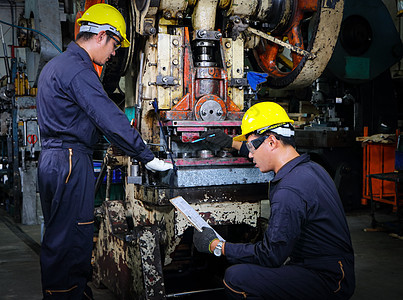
pixel 158 165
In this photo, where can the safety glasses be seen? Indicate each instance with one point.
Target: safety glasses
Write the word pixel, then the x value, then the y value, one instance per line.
pixel 118 43
pixel 253 145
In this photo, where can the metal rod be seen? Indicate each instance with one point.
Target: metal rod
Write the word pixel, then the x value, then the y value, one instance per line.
pixel 7 66
pixel 281 43
pixel 24 122
pixel 201 139
pixel 108 183
pixel 101 176
pixel 193 292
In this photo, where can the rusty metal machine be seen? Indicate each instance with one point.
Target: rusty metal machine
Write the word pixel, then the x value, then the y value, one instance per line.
pixel 186 73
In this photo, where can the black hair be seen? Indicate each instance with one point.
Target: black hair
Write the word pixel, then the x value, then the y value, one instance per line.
pixel 85 36
pixel 285 140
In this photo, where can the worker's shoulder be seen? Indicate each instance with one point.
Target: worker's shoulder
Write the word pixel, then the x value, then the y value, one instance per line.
pixel 307 175
pixel 67 65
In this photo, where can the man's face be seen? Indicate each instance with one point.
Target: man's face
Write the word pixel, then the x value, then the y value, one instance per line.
pixel 262 154
pixel 107 48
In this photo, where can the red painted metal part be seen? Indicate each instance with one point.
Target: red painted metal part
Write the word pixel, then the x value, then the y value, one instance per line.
pixel 206 98
pixel 179 123
pixel 188 137
pixel 267 53
pixel 199 82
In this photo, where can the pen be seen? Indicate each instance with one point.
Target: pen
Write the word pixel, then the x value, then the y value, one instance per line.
pixel 198 140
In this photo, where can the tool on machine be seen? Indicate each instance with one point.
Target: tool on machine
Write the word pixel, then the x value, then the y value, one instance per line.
pixel 191 215
pixel 240 25
pixel 201 139
pixel 281 43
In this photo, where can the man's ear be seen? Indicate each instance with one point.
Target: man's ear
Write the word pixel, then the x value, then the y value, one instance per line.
pixel 271 140
pixel 100 36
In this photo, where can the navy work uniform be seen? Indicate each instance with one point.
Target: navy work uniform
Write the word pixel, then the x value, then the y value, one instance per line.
pixel 73 109
pixel 306 252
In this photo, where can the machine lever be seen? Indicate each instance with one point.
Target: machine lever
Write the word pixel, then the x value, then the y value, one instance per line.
pixel 281 43
pixel 201 139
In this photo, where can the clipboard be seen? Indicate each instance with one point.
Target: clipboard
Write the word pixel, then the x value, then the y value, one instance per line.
pixel 191 215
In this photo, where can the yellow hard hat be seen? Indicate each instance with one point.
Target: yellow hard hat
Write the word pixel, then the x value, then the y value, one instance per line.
pixel 265 116
pixel 104 17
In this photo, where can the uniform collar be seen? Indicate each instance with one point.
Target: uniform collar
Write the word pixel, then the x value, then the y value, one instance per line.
pixel 290 165
pixel 75 48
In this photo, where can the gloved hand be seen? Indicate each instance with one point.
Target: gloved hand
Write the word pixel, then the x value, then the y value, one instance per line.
pixel 219 138
pixel 202 240
pixel 158 165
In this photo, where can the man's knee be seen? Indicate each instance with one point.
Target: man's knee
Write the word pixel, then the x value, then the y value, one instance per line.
pixel 233 273
pixel 234 282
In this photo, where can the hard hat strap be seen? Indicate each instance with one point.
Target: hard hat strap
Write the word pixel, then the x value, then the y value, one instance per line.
pixel 96 28
pixel 284 129
pixel 287 132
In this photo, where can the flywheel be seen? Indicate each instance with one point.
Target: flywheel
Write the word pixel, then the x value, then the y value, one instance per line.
pixel 313 26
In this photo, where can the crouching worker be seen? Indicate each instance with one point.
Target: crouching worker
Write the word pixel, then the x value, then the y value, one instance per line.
pixel 306 251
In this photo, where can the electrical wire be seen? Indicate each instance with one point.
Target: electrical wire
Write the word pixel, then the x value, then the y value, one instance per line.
pixel 12 8
pixel 34 30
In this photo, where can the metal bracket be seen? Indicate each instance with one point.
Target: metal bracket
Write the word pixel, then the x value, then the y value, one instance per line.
pixel 238 82
pixel 134 180
pixel 166 81
pixel 209 35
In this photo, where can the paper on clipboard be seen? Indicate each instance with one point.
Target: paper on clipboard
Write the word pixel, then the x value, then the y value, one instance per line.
pixel 193 216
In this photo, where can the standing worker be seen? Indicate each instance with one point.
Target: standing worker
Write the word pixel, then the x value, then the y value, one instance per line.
pixel 306 251
pixel 73 109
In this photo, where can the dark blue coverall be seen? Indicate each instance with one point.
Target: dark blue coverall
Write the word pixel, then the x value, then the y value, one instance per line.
pixel 73 109
pixel 306 252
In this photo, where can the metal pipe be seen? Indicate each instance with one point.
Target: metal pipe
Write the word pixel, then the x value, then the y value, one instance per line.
pixel 23 166
pixel 204 15
pixel 109 172
pixel 193 292
pixel 24 124
pixel 7 66
pixel 39 135
pixel 100 177
pixel 140 92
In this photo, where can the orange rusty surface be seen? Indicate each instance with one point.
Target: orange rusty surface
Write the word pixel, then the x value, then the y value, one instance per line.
pixel 188 70
pixel 213 80
pixel 209 72
pixel 295 38
pixel 231 106
pixel 89 3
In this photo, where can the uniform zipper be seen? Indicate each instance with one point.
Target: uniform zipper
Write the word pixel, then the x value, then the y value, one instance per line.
pixel 70 164
pixel 50 292
pixel 342 277
pixel 85 223
pixel 236 292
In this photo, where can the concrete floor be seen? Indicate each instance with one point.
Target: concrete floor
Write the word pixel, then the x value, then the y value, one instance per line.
pixel 379 262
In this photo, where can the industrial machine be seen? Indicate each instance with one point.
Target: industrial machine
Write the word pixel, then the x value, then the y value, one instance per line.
pixel 184 74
